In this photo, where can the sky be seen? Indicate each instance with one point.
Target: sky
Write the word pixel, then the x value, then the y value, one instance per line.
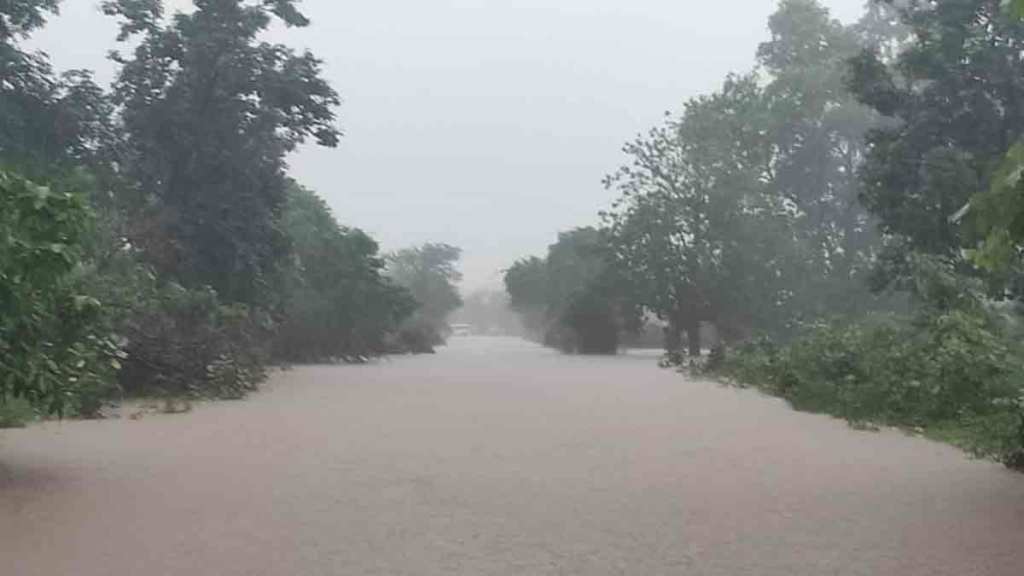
pixel 486 124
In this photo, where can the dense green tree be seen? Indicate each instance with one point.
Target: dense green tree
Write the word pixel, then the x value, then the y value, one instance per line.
pixel 743 211
pixel 210 113
pixel 996 214
pixel 956 91
pixel 586 300
pixel 695 230
pixel 341 305
pixel 573 299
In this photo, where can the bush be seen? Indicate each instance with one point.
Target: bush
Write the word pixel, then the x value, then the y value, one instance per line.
pixel 15 413
pixel 416 336
pixel 186 342
pixel 54 349
pixel 954 374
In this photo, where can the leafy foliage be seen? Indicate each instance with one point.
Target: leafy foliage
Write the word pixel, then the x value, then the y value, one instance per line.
pixel 210 112
pixel 954 374
pixel 955 91
pixel 15 413
pixel 20 18
pixel 48 123
pixel 742 211
pixel 51 343
pixel 694 210
pixel 573 300
pixel 526 283
pixel 341 304
pixel 188 342
pixel 199 259
pixel 430 275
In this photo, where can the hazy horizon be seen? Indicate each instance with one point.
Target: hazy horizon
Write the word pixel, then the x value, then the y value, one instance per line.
pixel 479 123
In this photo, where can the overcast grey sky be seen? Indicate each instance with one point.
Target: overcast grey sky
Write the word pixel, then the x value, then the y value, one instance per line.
pixel 487 124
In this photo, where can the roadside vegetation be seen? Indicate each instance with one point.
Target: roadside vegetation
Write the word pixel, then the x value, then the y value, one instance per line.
pixel 429 274
pixel 152 241
pixel 572 299
pixel 846 219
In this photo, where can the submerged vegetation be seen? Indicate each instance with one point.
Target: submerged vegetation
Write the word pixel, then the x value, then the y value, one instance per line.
pixel 152 241
pixel 846 217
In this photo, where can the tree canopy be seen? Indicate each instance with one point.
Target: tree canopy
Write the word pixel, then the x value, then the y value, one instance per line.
pixel 430 274
pixel 210 113
pixel 151 236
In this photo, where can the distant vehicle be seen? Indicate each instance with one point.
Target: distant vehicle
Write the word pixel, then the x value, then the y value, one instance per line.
pixel 462 330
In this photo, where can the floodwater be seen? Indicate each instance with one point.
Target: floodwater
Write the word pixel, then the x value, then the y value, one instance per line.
pixel 497 457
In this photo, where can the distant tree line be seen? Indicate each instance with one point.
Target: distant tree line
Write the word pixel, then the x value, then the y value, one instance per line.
pixel 151 238
pixel 848 216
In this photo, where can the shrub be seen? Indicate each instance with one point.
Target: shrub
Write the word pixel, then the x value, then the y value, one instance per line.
pixel 186 342
pixel 54 349
pixel 15 413
pixel 416 336
pixel 953 373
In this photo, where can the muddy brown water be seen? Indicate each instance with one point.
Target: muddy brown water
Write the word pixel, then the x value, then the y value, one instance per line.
pixel 497 457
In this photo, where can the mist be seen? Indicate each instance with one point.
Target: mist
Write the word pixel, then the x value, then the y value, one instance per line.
pixel 544 287
pixel 483 124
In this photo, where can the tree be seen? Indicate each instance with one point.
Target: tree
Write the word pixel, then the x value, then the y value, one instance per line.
pixel 341 305
pixel 817 137
pixel 693 229
pixel 49 124
pixel 22 17
pixel 997 214
pixel 210 113
pixel 526 283
pixel 743 212
pixel 588 300
pixel 956 91
pixel 430 274
pixel 573 299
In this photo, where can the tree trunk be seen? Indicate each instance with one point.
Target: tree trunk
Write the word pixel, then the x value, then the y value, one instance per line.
pixel 693 338
pixel 673 337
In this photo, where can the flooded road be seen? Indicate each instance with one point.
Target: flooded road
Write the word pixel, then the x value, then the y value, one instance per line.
pixel 497 457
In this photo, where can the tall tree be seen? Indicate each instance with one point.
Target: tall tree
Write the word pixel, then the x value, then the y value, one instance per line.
pixel 340 305
pixel 210 113
pixel 817 126
pixel 817 132
pixel 691 227
pixel 48 123
pixel 956 91
pixel 744 211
